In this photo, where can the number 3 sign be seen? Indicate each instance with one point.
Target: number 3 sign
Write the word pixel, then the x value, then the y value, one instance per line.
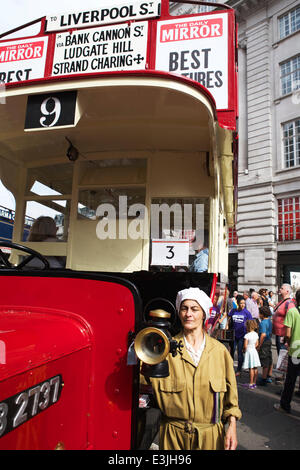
pixel 51 111
pixel 170 253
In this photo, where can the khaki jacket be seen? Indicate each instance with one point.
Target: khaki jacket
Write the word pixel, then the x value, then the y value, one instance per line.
pixel 197 400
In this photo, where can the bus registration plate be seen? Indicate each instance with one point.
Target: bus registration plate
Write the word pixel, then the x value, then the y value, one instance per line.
pixel 23 406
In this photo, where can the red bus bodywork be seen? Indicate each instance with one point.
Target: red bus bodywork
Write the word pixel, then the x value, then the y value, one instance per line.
pixel 77 326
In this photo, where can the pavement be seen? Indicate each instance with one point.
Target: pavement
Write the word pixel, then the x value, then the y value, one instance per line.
pixel 261 426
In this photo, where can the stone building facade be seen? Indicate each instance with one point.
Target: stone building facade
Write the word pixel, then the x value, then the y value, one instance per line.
pixel 266 247
pixel 268 218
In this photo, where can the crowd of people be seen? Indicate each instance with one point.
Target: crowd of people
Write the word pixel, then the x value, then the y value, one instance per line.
pixel 256 317
pixel 198 398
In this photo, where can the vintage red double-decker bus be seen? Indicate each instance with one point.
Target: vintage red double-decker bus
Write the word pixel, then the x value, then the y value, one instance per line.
pixel 118 125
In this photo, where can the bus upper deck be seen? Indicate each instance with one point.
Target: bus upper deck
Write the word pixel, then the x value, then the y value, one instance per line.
pixel 99 148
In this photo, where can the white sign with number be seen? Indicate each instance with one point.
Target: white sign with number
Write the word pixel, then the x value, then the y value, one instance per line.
pixel 170 252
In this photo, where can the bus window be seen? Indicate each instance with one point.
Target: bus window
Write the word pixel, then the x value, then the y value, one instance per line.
pixel 116 202
pixel 111 198
pixel 184 218
pixel 106 230
pixel 58 210
pixel 48 193
pixel 52 180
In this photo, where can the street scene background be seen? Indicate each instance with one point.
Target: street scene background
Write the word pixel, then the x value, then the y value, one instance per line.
pixel 262 427
pixel 268 188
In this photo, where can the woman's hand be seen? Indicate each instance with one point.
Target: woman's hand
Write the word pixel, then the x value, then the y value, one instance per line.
pixel 230 436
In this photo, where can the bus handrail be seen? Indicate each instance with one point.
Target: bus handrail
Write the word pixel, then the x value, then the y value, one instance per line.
pixel 18 28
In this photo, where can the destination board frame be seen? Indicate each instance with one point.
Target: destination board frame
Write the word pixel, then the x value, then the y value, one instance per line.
pixel 227 116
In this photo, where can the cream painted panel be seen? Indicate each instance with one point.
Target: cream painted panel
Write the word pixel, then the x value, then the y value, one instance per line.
pixel 92 254
pixel 48 249
pixel 182 175
pixel 44 248
pixel 109 176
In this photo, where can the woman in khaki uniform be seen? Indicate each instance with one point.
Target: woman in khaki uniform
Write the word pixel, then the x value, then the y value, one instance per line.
pixel 200 394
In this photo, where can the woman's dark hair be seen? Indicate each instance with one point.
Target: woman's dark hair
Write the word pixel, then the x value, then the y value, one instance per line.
pixel 239 298
pixel 42 228
pixel 297 297
pixel 265 311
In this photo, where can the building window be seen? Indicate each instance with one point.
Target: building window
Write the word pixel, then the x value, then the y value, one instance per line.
pixel 178 9
pixel 291 143
pixel 288 219
pixel 204 9
pixel 290 75
pixel 232 237
pixel 289 23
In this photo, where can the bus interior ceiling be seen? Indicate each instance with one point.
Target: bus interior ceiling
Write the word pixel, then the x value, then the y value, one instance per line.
pixel 150 116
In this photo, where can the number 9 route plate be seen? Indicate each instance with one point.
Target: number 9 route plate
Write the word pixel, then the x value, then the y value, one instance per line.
pixel 19 408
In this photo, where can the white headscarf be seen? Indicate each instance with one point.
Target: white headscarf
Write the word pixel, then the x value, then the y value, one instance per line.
pixel 194 293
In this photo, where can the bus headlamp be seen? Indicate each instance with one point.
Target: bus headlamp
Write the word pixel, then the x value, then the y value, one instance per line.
pixel 153 344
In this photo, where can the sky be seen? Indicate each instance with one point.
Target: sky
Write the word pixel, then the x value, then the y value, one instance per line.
pixel 15 13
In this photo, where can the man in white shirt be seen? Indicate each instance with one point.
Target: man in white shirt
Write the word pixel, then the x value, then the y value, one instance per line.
pixel 252 305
